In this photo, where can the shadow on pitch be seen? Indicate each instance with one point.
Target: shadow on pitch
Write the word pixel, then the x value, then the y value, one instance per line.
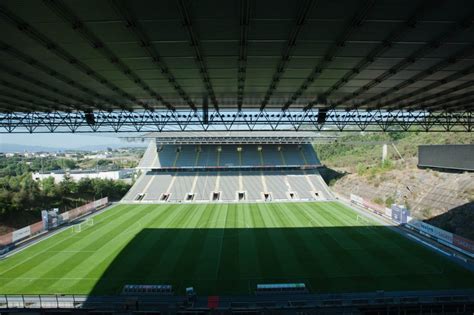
pixel 233 261
pixel 458 220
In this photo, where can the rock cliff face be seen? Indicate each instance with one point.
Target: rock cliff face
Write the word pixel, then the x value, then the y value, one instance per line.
pixel 443 199
pixel 354 166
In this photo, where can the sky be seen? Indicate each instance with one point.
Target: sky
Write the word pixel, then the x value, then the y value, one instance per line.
pixel 64 140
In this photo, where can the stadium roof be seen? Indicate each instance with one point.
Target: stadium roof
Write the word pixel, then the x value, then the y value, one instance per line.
pixel 234 137
pixel 168 55
pixel 278 53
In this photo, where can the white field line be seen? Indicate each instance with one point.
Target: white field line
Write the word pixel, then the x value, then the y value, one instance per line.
pixel 71 236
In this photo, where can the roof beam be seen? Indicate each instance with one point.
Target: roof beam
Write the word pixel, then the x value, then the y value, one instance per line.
pixel 58 103
pixel 455 100
pixel 47 87
pixel 464 24
pixel 465 105
pixel 62 11
pixel 411 104
pixel 355 22
pixel 381 48
pixel 396 102
pixel 466 52
pixel 47 43
pixel 16 97
pixel 15 105
pixel 133 25
pixel 303 12
pixel 245 13
pixel 199 58
pixel 53 73
pixel 5 108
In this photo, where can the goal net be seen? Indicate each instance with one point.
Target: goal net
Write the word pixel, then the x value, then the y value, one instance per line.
pixel 83 225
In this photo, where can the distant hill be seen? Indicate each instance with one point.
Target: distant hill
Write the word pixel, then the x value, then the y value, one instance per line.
pixel 355 166
pixel 11 147
pixel 366 148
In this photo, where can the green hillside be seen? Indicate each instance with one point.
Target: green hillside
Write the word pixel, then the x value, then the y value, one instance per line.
pixel 355 149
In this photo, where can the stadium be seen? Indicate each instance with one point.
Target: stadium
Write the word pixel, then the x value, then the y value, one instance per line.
pixel 270 168
pixel 231 210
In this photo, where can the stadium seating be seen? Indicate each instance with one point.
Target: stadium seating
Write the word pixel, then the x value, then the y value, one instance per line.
pixel 277 185
pixel 181 186
pixel 252 185
pixel 228 185
pixel 157 186
pixel 228 172
pixel 205 185
pixel 226 155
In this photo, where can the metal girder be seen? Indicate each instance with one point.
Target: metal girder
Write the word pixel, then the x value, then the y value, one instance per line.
pixel 451 78
pixel 133 25
pixel 199 58
pixel 356 21
pixel 445 102
pixel 245 13
pixel 386 44
pixel 12 97
pixel 303 12
pixel 464 24
pixel 464 104
pixel 44 41
pixel 51 72
pixel 466 52
pixel 336 120
pixel 82 103
pixel 13 106
pixel 415 103
pixel 57 104
pixel 62 11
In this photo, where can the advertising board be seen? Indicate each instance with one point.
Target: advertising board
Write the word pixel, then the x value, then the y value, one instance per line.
pixel 21 234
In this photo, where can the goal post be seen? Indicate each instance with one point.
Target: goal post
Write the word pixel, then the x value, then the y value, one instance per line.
pixel 79 227
pixel 76 228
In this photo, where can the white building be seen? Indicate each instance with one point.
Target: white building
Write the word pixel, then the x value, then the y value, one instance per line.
pixel 78 175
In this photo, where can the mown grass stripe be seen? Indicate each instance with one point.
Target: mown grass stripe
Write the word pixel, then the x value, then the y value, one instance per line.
pixel 228 249
pixel 61 263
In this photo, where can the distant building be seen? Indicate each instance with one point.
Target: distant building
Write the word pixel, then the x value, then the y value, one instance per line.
pixel 99 156
pixel 78 175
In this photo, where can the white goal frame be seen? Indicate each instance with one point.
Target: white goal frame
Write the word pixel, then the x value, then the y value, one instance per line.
pixel 77 228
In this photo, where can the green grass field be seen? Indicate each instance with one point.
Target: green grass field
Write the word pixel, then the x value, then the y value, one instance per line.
pixel 228 249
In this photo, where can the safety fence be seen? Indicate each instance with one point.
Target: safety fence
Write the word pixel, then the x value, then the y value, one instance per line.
pixel 277 302
pixel 371 206
pixel 446 238
pixel 8 241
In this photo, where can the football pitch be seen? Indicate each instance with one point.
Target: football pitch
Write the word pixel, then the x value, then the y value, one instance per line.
pixel 228 249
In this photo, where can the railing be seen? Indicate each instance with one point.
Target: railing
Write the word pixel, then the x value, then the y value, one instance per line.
pixel 278 301
pixel 9 240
